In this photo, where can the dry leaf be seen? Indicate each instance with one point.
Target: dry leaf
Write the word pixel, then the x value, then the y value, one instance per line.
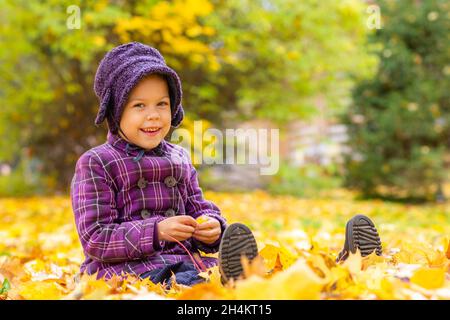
pixel 206 291
pixel 41 260
pixel 354 262
pixel 202 219
pixel 297 282
pixel 254 267
pixel 429 278
pixel 41 290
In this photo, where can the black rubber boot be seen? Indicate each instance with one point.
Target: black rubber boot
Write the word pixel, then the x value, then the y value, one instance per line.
pixel 237 240
pixel 360 233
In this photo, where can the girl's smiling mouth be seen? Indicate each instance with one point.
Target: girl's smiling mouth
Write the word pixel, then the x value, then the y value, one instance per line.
pixel 151 131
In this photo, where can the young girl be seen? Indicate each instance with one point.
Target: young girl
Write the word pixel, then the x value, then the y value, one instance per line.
pixel 136 198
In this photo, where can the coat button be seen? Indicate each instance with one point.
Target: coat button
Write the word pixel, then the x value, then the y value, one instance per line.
pixel 142 183
pixel 170 213
pixel 170 181
pixel 145 214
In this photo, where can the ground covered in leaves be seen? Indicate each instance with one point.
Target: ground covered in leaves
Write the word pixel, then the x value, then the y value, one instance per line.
pixel 298 240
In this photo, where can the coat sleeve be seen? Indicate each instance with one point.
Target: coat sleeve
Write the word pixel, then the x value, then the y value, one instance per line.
pixel 197 205
pixel 93 203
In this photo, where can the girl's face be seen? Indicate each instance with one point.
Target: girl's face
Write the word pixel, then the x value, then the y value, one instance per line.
pixel 146 116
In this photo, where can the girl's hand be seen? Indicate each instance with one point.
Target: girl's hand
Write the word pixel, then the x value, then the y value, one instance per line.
pixel 208 232
pixel 179 227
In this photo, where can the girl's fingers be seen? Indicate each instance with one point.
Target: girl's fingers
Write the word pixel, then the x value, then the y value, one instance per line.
pixel 211 223
pixel 207 233
pixel 181 236
pixel 188 220
pixel 185 228
pixel 206 239
pixel 201 238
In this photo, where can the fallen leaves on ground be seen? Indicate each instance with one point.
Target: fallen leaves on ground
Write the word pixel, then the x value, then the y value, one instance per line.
pixel 298 241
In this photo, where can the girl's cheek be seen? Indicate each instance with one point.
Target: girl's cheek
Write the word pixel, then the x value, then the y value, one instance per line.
pixel 168 119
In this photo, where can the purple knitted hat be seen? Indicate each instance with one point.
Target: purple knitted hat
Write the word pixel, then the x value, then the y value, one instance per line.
pixel 120 70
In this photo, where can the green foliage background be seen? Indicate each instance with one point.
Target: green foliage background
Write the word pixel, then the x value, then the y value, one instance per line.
pixel 400 120
pixel 238 60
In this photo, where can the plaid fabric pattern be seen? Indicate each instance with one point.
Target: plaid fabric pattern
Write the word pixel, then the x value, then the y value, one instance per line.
pixel 119 195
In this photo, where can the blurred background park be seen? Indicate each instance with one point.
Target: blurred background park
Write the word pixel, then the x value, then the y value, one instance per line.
pixel 358 89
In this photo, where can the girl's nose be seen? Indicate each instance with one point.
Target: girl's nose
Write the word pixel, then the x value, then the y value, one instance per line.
pixel 153 115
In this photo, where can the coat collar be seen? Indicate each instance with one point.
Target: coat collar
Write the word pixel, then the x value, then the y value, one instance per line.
pixel 134 150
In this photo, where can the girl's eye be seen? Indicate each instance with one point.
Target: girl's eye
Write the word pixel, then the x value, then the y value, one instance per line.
pixel 163 104
pixel 139 105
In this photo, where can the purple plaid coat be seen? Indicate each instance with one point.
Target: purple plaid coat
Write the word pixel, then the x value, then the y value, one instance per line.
pixel 119 193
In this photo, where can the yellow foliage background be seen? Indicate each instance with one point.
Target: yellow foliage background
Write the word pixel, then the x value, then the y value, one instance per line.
pixel 298 240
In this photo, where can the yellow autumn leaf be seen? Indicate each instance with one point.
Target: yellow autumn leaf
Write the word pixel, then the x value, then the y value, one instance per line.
pixel 297 282
pixel 429 278
pixel 254 267
pixel 298 241
pixel 372 259
pixel 211 275
pixel 354 262
pixel 319 265
pixel 41 290
pixel 271 253
pixel 386 289
pixel 206 291
pixel 202 219
pixel 38 270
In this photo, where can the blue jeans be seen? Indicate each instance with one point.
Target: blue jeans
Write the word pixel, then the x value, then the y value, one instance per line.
pixel 185 273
